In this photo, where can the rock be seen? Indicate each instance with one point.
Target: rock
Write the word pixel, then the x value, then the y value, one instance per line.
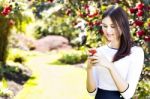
pixel 44 44
pixel 52 43
pixel 22 42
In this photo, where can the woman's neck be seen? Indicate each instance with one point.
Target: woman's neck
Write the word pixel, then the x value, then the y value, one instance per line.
pixel 114 45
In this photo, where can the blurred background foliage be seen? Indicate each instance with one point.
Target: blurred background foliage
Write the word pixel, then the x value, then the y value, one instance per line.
pixel 77 20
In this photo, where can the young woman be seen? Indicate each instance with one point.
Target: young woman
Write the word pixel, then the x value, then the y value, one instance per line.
pixel 114 70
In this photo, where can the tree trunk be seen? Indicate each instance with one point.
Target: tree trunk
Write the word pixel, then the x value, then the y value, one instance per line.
pixel 4 34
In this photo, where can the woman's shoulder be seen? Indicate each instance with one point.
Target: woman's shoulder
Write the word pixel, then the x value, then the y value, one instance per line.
pixel 101 47
pixel 137 50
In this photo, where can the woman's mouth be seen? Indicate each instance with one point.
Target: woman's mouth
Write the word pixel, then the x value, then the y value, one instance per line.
pixel 109 35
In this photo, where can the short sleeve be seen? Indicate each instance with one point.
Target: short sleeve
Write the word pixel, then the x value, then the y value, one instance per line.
pixel 96 81
pixel 135 69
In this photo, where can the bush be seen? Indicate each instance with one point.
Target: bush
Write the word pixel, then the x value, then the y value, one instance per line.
pixel 11 17
pixel 143 90
pixel 73 57
pixel 16 55
pixel 4 91
pixel 144 84
pixel 55 23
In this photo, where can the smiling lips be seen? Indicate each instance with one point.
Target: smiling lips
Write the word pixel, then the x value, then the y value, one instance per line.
pixel 109 35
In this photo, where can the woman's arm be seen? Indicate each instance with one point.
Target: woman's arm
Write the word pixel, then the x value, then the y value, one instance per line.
pixel 102 61
pixel 126 86
pixel 137 60
pixel 121 84
pixel 129 86
pixel 90 82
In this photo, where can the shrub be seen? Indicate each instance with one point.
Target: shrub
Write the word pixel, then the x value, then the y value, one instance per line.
pixel 73 57
pixel 54 21
pixel 16 55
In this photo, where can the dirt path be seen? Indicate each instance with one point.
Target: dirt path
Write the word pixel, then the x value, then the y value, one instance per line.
pixel 54 82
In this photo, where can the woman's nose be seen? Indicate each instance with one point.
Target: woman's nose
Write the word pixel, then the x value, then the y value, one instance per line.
pixel 109 30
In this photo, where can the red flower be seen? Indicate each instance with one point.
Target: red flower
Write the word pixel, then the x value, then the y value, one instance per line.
pixel 11 22
pixel 97 23
pixel 93 15
pixel 149 25
pixel 86 6
pixel 82 15
pixel 147 38
pixel 140 13
pixel 50 1
pixel 101 31
pixel 133 10
pixel 140 6
pixel 68 12
pixel 74 23
pixel 116 1
pixel 90 24
pixel 92 51
pixel 140 33
pixel 148 8
pixel 138 22
pixel 6 10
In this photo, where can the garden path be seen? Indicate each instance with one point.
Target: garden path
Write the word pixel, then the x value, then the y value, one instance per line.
pixel 54 82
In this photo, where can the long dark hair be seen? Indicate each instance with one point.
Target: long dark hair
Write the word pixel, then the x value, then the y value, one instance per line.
pixel 120 18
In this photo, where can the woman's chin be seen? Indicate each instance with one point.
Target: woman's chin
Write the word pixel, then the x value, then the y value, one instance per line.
pixel 110 39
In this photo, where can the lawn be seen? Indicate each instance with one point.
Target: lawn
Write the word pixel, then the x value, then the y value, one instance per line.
pixel 52 81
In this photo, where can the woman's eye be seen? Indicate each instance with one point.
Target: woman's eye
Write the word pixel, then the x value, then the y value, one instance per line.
pixel 104 26
pixel 112 26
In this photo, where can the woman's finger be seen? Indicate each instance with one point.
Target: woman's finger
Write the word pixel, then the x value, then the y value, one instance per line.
pixel 92 57
pixel 89 54
pixel 94 61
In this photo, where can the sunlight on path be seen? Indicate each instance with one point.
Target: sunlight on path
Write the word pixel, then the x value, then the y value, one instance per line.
pixel 54 82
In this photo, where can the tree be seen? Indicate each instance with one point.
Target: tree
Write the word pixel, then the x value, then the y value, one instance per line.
pixel 10 15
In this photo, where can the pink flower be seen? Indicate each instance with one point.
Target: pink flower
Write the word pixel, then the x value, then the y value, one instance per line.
pixel 140 6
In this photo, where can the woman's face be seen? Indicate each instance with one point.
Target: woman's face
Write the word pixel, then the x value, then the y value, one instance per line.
pixel 111 31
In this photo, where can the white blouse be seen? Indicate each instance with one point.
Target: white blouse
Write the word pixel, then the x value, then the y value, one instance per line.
pixel 129 68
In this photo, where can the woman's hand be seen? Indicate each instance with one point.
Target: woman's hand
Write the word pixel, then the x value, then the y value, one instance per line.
pixel 91 61
pixel 99 59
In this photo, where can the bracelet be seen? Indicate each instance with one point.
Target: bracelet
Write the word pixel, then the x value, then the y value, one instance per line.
pixel 126 89
pixel 92 91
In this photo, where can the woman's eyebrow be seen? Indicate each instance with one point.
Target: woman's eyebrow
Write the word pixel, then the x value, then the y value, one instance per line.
pixel 112 24
pixel 106 24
